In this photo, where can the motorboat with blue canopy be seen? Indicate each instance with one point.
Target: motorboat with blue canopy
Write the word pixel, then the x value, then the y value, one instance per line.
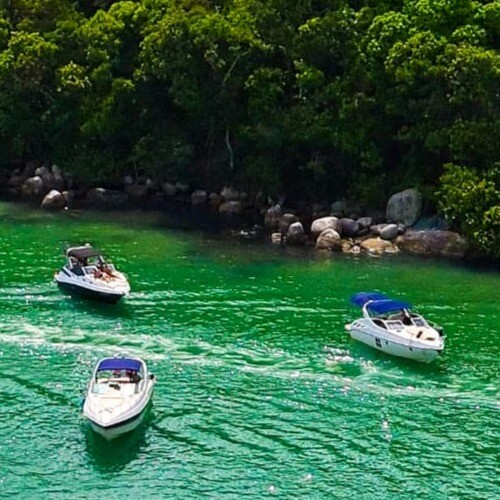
pixel 88 274
pixel 118 395
pixel 391 326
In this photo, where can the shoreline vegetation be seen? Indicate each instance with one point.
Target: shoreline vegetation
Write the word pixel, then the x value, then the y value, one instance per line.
pixel 348 124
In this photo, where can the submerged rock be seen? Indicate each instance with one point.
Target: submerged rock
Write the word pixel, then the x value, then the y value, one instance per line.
pixel 379 246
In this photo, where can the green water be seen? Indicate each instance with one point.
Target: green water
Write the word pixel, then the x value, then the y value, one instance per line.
pixel 260 393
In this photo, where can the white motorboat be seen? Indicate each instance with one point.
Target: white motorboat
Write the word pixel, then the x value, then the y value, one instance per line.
pixel 88 275
pixel 118 395
pixel 392 327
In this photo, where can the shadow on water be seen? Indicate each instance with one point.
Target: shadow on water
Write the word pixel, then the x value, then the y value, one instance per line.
pixel 120 310
pixel 363 352
pixel 111 456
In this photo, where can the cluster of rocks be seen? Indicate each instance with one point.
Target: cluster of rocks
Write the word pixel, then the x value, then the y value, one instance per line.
pixel 339 227
pixel 356 234
pixel 50 185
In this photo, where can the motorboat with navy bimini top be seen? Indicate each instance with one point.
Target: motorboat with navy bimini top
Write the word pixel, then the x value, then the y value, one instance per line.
pixel 392 327
pixel 88 274
pixel 118 395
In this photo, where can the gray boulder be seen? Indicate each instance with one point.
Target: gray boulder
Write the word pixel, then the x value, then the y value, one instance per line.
pixel 169 189
pixel 69 198
pixel 198 197
pixel 215 200
pixel 53 201
pixel 272 217
pixel 389 231
pixel 182 187
pixel 230 207
pixel 295 234
pixel 319 225
pixel 348 227
pixel 32 187
pixel 229 193
pixel 286 221
pixel 106 198
pixel 329 239
pixel 404 207
pixel 365 222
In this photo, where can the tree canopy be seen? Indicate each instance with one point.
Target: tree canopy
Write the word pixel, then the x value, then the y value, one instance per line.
pixel 313 98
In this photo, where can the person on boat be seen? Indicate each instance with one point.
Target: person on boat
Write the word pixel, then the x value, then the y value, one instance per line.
pixel 405 317
pixel 133 376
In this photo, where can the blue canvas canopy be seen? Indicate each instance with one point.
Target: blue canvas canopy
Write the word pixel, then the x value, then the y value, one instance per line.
pixel 387 305
pixel 361 298
pixel 120 364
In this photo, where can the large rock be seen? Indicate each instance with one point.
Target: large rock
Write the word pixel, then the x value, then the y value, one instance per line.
pixel 53 201
pixel 329 239
pixel 295 234
pixel 198 197
pixel 404 207
pixel 33 187
pixel 215 200
pixel 229 193
pixel 378 246
pixel 230 208
pixel 286 221
pixel 272 217
pixel 169 189
pixel 348 227
pixel 365 222
pixel 389 231
pixel 433 243
pixel 319 225
pixel 106 198
pixel 182 187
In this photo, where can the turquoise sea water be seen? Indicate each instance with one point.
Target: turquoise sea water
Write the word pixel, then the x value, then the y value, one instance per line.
pixel 260 392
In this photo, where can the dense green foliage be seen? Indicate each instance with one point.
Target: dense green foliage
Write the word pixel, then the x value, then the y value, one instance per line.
pixel 312 98
pixel 472 203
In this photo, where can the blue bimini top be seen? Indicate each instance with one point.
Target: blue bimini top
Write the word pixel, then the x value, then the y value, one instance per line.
pixel 387 305
pixel 361 298
pixel 120 364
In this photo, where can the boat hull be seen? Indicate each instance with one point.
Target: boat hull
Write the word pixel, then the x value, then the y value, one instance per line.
pixel 394 348
pixel 120 428
pixel 86 293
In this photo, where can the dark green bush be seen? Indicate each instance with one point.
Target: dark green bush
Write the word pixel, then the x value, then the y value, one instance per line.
pixel 470 201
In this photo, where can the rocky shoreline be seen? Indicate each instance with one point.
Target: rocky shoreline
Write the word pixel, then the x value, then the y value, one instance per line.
pixel 338 227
